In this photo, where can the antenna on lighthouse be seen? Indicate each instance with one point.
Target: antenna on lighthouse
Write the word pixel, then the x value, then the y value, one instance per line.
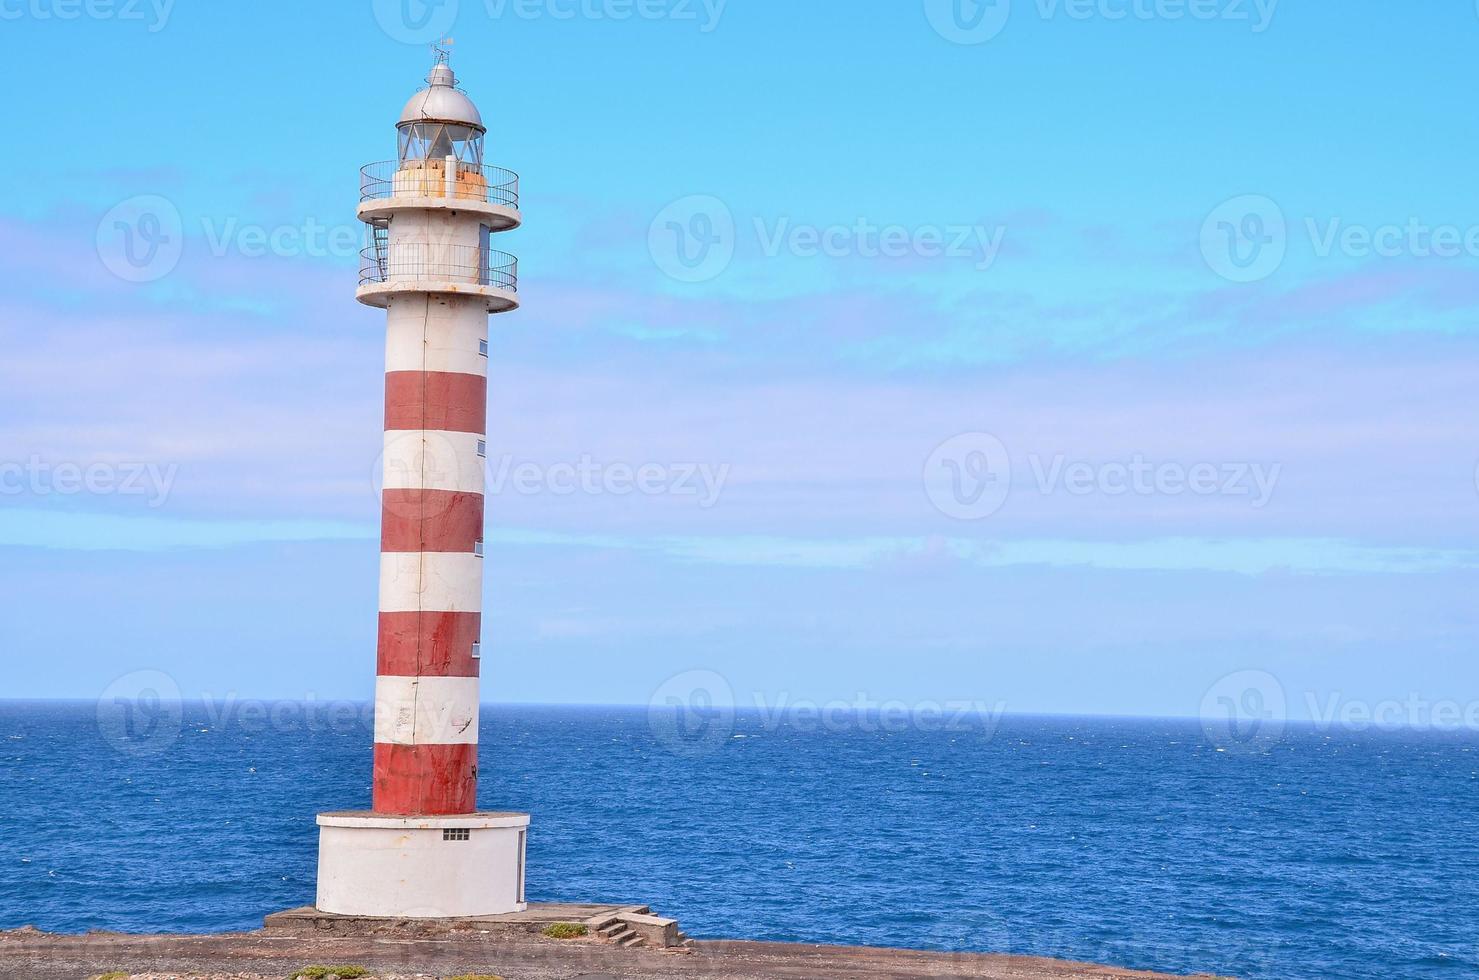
pixel 441 51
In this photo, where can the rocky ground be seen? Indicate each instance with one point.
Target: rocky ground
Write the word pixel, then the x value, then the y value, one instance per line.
pixel 27 954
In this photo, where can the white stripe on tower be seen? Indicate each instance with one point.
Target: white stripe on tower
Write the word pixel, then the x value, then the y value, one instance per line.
pixel 429 581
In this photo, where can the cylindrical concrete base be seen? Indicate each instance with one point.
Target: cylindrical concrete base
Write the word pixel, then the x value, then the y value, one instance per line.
pixel 421 867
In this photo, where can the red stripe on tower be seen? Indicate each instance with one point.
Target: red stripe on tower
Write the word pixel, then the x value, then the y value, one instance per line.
pixel 436 400
pixel 430 520
pixel 438 644
pixel 426 779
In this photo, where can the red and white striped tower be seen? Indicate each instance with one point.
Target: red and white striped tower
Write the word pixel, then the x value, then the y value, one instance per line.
pixel 425 849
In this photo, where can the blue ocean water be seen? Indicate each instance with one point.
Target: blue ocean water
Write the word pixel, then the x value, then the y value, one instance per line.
pixel 1136 843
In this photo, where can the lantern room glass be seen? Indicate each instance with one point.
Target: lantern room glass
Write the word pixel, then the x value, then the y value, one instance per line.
pixel 421 141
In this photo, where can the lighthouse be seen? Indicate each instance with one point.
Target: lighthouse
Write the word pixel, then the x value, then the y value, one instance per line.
pixel 424 850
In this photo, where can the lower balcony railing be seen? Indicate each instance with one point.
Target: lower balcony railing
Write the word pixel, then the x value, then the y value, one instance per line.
pixel 406 262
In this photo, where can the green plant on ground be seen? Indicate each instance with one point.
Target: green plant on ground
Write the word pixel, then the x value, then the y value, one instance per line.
pixel 476 976
pixel 319 972
pixel 564 930
pixel 114 975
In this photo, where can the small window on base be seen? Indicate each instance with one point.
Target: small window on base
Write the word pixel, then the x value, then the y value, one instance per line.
pixel 456 833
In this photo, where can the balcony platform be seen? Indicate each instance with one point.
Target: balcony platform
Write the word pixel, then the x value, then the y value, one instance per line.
pixel 379 294
pixel 498 217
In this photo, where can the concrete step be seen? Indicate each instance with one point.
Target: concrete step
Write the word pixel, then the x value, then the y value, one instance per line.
pixel 629 941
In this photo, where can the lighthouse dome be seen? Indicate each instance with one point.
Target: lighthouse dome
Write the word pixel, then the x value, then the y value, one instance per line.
pixel 441 101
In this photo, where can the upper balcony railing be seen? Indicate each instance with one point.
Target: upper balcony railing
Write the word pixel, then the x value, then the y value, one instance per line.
pixel 429 178
pixel 409 262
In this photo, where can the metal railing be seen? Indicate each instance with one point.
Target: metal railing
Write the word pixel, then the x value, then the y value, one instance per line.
pixel 428 178
pixel 409 261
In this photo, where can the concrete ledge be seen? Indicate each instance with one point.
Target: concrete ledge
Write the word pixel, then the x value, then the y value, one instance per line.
pixel 531 920
pixel 387 821
pixel 26 954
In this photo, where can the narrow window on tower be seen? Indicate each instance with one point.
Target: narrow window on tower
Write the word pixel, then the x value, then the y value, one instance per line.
pixel 483 447
pixel 485 253
pixel 477 649
pixel 477 549
pixel 483 347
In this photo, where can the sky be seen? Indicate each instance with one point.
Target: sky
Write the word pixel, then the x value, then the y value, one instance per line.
pixel 1079 356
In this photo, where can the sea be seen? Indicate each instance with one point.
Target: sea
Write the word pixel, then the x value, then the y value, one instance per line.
pixel 1321 853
